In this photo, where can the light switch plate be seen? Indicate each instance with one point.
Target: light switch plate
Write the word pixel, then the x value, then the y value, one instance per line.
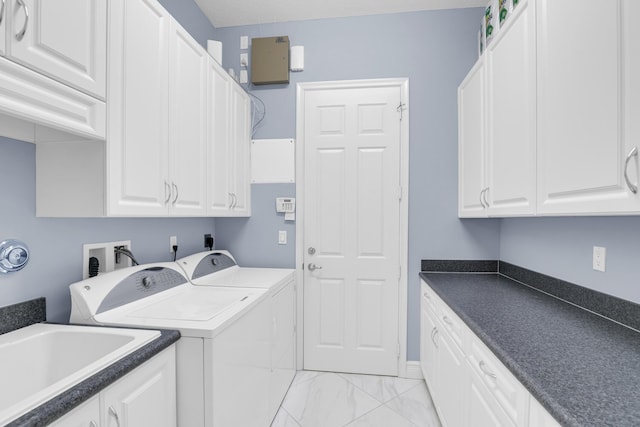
pixel 244 42
pixel 282 237
pixel 599 258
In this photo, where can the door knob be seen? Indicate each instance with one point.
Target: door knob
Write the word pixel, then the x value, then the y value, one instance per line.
pixel 311 250
pixel 313 267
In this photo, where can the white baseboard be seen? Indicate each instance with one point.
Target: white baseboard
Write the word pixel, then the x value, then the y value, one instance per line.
pixel 413 370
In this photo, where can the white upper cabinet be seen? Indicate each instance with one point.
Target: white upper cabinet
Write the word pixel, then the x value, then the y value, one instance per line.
pixel 631 95
pixel 511 117
pixel 496 108
pixel 471 143
pixel 558 132
pixel 240 151
pixel 581 146
pixel 219 198
pixel 187 123
pixel 158 103
pixel 229 146
pixel 178 132
pixel 63 39
pixel 138 140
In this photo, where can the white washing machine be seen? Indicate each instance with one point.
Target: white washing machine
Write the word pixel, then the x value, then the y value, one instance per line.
pixel 224 330
pixel 219 269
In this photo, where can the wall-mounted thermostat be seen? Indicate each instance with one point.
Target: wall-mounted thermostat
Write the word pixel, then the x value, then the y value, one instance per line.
pixel 285 204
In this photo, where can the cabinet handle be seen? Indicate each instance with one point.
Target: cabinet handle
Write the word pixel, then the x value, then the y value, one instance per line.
pixel 481 198
pixel 174 186
pixel 485 370
pixel 433 337
pixel 446 320
pixel 235 200
pixel 426 295
pixel 115 415
pixel 93 424
pixel 633 187
pixel 2 12
pixel 486 201
pixel 167 192
pixel 22 32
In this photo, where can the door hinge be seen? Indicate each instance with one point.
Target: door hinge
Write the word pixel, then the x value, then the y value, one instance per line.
pixel 400 109
pixel 400 193
pixel 399 272
pixel 398 350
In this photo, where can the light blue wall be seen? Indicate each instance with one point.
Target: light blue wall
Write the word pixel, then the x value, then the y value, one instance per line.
pixel 563 248
pixel 434 50
pixel 56 244
pixel 245 237
pixel 189 15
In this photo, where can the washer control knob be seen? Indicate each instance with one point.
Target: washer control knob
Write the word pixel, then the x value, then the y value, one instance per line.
pixel 146 282
pixel 14 256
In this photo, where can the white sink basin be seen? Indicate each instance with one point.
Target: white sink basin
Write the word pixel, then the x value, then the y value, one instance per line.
pixel 42 360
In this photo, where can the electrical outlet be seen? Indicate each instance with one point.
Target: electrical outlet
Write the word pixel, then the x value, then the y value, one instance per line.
pixel 244 60
pixel 173 241
pixel 599 258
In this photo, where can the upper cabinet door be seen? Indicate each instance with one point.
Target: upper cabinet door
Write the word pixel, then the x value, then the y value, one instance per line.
pixel 64 39
pixel 581 149
pixel 511 117
pixel 241 151
pixel 471 143
pixel 187 124
pixel 631 88
pixel 4 14
pixel 137 149
pixel 218 180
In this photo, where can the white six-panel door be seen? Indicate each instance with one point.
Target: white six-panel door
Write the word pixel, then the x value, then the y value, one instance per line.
pixel 352 229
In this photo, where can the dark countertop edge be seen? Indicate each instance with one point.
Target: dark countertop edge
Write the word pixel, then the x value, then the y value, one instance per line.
pixel 532 386
pixel 83 391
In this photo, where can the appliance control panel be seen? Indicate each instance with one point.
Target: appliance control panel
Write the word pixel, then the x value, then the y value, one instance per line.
pixel 212 263
pixel 141 284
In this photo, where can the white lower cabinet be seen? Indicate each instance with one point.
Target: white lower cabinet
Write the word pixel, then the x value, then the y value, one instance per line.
pixel 468 384
pixel 85 415
pixel 539 417
pixel 144 397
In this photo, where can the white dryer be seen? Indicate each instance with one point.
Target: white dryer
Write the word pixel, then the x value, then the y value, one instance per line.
pixel 224 330
pixel 219 269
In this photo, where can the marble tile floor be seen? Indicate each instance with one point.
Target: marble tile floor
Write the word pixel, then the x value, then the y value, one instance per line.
pixel 327 399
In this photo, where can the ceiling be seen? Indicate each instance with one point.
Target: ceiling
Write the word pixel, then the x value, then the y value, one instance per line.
pixel 231 13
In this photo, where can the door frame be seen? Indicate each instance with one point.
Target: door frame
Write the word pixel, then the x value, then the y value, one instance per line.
pixel 301 89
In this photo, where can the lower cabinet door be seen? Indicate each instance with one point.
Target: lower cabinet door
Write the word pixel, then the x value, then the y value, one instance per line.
pixel 144 397
pixel 82 416
pixel 453 381
pixel 484 410
pixel 428 351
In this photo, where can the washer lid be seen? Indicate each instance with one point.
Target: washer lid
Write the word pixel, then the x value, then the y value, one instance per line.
pixel 194 304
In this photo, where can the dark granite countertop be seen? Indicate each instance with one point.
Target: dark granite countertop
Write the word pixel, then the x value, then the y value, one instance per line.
pixel 583 368
pixel 69 399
